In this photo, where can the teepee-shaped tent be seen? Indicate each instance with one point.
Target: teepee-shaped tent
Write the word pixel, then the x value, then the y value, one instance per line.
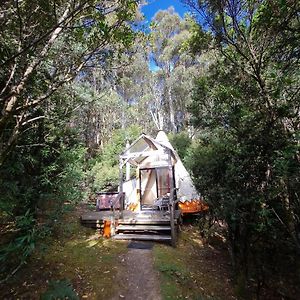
pixel 153 159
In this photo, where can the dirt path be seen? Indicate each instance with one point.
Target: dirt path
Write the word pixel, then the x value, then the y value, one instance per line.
pixel 138 279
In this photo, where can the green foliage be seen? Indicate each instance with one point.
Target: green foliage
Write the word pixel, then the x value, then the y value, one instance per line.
pixel 105 172
pixel 105 177
pixel 43 47
pixel 176 69
pixel 199 40
pixel 15 253
pixel 246 161
pixel 49 129
pixel 45 170
pixel 71 181
pixel 60 289
pixel 181 143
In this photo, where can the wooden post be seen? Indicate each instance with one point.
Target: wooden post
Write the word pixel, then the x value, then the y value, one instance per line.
pixel 121 187
pixel 172 202
pixel 127 165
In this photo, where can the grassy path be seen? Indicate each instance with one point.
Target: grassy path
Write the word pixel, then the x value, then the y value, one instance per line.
pixel 138 280
pixel 74 258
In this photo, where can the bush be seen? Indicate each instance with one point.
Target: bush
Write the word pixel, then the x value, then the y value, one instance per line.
pixel 105 177
pixel 105 172
pixel 181 143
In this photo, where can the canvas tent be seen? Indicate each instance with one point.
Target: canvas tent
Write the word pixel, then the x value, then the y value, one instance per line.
pixel 152 159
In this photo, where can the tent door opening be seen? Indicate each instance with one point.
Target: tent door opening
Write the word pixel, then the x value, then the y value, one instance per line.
pixel 154 183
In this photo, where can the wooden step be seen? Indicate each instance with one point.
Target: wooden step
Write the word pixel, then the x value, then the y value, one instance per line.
pixel 91 222
pixel 144 221
pixel 150 227
pixel 145 217
pixel 142 237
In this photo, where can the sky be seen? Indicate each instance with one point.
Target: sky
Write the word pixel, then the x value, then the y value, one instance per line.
pixel 154 6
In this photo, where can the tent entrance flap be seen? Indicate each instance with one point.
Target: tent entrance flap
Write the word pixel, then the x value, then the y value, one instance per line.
pixel 148 186
pixel 154 183
pixel 162 181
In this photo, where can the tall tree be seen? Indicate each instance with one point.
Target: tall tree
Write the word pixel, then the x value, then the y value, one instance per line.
pixel 175 65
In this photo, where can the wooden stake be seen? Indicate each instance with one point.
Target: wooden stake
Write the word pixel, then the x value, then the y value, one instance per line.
pixel 121 187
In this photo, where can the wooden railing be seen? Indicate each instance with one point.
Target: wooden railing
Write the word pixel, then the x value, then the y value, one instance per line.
pixel 119 199
pixel 172 208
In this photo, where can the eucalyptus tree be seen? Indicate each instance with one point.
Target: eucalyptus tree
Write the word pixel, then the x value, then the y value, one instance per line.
pixel 97 112
pixel 133 83
pixel 174 64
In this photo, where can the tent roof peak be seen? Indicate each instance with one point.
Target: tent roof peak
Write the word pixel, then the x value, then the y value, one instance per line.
pixel 145 146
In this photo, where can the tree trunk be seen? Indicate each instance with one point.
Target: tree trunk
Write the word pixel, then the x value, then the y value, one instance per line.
pixel 171 111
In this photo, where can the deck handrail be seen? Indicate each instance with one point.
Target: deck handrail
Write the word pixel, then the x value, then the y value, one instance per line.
pixel 172 204
pixel 116 200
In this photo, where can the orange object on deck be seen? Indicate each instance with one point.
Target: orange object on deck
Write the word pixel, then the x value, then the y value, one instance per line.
pixel 106 229
pixel 194 206
pixel 133 206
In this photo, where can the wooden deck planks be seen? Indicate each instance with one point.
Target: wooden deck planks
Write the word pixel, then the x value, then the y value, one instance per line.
pixel 142 237
pixel 98 216
pixel 143 228
pixel 145 225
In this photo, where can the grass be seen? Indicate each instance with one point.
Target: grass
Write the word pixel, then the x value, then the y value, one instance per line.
pixel 193 270
pixel 73 254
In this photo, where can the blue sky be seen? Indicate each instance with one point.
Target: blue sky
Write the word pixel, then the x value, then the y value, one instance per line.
pixel 153 6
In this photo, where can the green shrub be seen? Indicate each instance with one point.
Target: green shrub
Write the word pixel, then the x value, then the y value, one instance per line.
pixel 60 289
pixel 105 171
pixel 181 143
pixel 105 177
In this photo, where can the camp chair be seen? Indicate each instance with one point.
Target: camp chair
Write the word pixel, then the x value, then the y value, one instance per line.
pixel 163 203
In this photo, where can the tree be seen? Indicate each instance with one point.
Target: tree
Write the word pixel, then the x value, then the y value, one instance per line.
pixel 132 83
pixel 98 109
pixel 176 67
pixel 247 109
pixel 45 45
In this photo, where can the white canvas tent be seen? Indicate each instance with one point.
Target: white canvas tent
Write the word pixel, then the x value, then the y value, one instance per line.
pixel 152 159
